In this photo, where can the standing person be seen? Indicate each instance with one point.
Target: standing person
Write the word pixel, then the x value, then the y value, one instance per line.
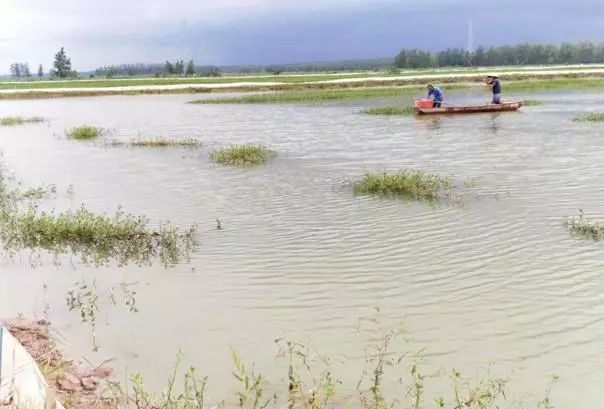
pixel 437 94
pixel 493 82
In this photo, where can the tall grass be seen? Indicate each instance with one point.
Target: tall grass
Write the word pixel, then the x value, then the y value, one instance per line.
pixel 19 120
pixel 590 117
pixel 243 155
pixel 84 132
pixel 417 184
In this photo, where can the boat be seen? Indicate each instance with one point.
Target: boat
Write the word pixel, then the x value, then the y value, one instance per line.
pixel 424 107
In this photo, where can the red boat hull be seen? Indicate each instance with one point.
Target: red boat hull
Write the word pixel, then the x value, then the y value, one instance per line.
pixel 471 109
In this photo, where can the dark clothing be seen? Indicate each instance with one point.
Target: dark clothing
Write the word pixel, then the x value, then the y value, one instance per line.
pixel 496 86
pixel 436 104
pixel 438 95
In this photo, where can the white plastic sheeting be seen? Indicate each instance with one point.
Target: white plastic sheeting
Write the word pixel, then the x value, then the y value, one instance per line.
pixel 21 382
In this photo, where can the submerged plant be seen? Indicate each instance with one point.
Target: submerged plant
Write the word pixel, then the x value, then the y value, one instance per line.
pixel 243 155
pixel 580 225
pixel 590 117
pixel 84 132
pixel 19 120
pixel 398 110
pixel 84 299
pixel 417 184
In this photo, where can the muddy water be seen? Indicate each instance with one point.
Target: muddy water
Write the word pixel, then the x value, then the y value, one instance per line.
pixel 498 280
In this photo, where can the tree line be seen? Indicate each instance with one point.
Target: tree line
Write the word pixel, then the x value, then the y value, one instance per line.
pixel 585 52
pixel 61 68
pixel 178 68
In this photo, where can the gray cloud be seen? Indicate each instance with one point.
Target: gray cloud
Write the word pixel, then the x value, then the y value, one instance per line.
pixel 271 31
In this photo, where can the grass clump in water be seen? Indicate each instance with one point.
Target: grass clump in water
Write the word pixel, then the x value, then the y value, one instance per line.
pixel 590 117
pixel 162 142
pixel 243 155
pixel 400 110
pixel 19 120
pixel 418 184
pixel 98 238
pixel 581 226
pixel 84 132
pixel 532 102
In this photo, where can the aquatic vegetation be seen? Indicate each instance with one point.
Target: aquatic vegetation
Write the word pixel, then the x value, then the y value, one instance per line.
pixel 532 102
pixel 398 110
pixel 243 155
pixel 84 132
pixel 580 225
pixel 83 298
pixel 38 193
pixel 97 238
pixel 161 142
pixel 417 184
pixel 590 117
pixel 19 120
pixel 310 381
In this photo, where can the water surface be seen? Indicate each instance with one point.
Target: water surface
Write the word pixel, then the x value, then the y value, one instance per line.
pixel 497 280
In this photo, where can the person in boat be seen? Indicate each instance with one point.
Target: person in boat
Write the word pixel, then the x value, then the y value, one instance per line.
pixel 436 94
pixel 493 82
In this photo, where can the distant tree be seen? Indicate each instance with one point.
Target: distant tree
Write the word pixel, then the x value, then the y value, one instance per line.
pixel 15 70
pixel 190 68
pixel 25 72
pixel 209 71
pixel 179 67
pixel 110 73
pixel 61 65
pixel 273 69
pixel 169 68
pixel 40 71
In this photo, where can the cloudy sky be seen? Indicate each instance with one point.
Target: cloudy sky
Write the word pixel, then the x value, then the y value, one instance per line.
pixel 223 32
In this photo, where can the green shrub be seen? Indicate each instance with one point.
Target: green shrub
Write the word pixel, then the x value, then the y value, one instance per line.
pixel 84 132
pixel 243 155
pixel 417 184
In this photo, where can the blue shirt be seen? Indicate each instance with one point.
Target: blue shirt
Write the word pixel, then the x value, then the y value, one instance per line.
pixel 438 95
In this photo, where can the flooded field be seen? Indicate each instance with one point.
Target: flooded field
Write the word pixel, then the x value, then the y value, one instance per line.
pixel 493 278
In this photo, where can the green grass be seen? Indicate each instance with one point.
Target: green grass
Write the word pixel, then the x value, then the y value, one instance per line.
pixel 312 96
pixel 590 117
pixel 19 120
pixel 532 102
pixel 84 132
pixel 398 110
pixel 243 155
pixel 538 85
pixel 257 78
pixel 416 184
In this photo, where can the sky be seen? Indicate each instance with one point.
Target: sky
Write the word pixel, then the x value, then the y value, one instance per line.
pixel 233 32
